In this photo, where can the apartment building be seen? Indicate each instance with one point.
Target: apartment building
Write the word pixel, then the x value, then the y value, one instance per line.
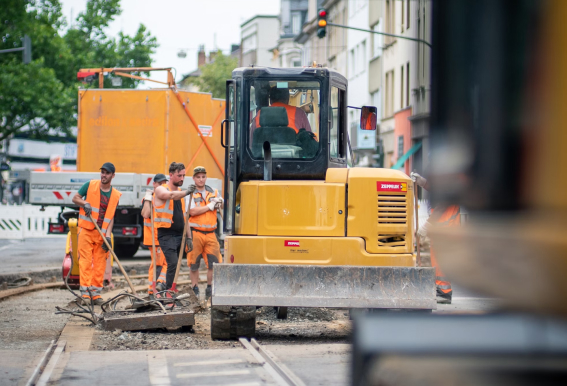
pixel 288 53
pixel 259 36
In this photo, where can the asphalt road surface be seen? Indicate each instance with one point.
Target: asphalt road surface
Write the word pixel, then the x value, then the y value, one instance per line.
pixel 40 254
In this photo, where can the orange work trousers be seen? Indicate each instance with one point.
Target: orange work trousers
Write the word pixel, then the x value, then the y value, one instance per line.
pixel 449 217
pixel 205 246
pixel 162 269
pixel 92 263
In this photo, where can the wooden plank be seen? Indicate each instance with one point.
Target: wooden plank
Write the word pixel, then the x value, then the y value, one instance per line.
pixel 44 379
pixel 149 321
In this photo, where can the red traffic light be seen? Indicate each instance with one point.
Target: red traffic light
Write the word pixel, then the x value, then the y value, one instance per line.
pixel 322 13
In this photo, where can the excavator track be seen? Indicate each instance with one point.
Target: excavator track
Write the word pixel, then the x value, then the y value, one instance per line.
pixel 233 322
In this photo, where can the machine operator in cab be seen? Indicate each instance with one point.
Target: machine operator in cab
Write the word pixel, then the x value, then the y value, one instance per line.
pixel 297 119
pixel 96 198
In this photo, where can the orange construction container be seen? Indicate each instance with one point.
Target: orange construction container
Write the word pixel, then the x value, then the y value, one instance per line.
pixel 143 131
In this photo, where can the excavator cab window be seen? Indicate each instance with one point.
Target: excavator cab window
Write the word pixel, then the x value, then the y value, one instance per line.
pixel 285 113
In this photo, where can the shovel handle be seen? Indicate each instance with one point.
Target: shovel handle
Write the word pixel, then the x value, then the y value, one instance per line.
pixel 113 254
pixel 154 251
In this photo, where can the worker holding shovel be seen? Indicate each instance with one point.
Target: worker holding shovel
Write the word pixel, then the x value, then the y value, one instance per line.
pixel 98 200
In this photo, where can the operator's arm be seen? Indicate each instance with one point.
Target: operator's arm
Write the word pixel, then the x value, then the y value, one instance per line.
pixel 164 194
pixel 146 208
pixel 301 121
pixel 199 210
pixel 78 200
pixel 109 229
pixel 146 211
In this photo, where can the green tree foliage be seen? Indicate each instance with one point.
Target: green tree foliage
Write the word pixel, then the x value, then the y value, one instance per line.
pixel 214 75
pixel 42 96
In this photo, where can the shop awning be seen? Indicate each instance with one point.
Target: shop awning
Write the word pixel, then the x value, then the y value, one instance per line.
pixel 402 160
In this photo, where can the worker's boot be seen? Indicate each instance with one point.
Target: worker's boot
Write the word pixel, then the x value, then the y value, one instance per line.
pixel 160 287
pixel 444 297
pixel 98 302
pixel 196 290
pixel 208 292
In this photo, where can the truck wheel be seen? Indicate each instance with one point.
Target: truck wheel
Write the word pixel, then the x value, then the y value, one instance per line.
pixel 233 322
pixel 126 250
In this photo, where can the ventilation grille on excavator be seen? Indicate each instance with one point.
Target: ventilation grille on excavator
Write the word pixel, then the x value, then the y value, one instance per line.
pixel 392 209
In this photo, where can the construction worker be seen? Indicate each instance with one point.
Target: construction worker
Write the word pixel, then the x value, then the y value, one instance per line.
pixel 96 198
pixel 160 262
pixel 440 216
pixel 297 119
pixel 170 218
pixel 203 222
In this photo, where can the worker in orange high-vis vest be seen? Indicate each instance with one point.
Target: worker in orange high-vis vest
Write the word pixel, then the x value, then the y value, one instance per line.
pixel 297 119
pixel 170 218
pixel 99 199
pixel 161 263
pixel 444 216
pixel 203 222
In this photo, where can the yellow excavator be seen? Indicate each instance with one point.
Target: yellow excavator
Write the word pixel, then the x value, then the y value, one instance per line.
pixel 301 228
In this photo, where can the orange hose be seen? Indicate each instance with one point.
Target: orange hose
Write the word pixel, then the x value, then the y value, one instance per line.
pixel 198 130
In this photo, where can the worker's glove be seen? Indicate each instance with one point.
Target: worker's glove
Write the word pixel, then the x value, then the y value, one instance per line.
pixel 211 205
pixel 423 230
pixel 88 209
pixel 104 247
pixel 419 180
pixel 148 196
pixel 218 202
pixel 188 245
pixel 191 189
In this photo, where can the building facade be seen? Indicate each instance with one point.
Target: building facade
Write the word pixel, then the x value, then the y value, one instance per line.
pixel 259 37
pixel 398 79
pixel 293 14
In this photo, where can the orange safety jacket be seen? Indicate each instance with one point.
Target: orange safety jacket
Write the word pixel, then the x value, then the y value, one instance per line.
pixel 163 214
pixel 450 216
pixel 290 110
pixel 207 221
pixel 148 227
pixel 93 198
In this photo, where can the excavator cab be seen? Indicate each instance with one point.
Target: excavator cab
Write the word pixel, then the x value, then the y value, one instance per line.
pixel 298 114
pixel 301 228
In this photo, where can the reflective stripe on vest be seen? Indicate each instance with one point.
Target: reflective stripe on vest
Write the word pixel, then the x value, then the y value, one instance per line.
pixel 205 221
pixel 450 216
pixel 290 110
pixel 163 214
pixel 93 198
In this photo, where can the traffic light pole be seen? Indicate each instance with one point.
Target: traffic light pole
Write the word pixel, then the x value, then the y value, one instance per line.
pixel 26 50
pixel 380 33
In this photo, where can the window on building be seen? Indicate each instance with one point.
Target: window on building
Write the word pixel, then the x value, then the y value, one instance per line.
pixel 400 146
pixel 407 85
pixel 408 14
pixel 402 87
pixel 390 20
pixel 403 14
pixel 363 60
pixel 297 63
pixel 351 64
pixel 377 40
pixel 295 23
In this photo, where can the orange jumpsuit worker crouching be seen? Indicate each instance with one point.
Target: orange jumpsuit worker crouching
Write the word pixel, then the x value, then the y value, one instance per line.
pixel 99 199
pixel 161 263
pixel 203 223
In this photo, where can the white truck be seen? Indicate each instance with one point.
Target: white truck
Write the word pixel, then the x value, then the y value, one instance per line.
pixel 58 189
